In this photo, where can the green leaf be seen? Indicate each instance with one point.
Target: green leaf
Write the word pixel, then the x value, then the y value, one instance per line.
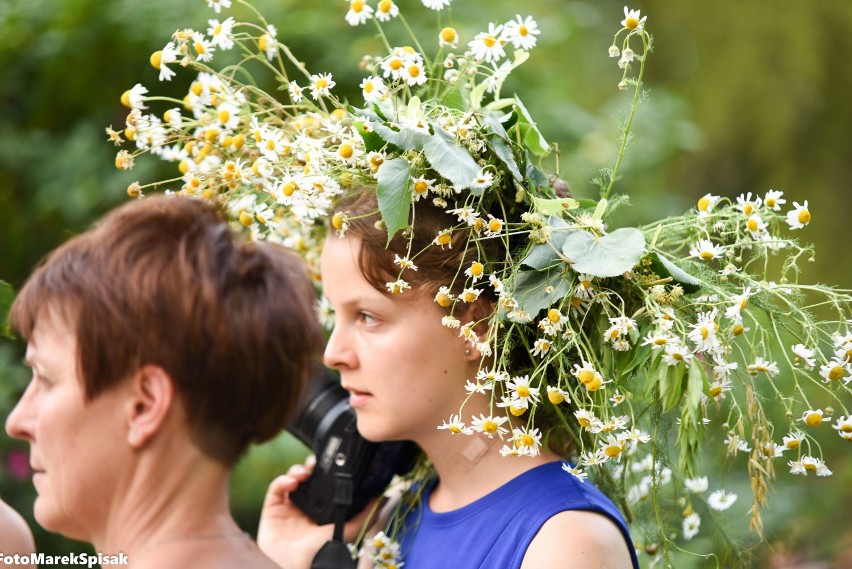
pixel 671 385
pixel 604 256
pixel 450 160
pixel 394 194
pixel 554 206
pixel 694 388
pixel 532 137
pixel 663 267
pixel 7 295
pixel 498 141
pixel 529 289
pixel 406 138
pixel 373 142
pixel 546 255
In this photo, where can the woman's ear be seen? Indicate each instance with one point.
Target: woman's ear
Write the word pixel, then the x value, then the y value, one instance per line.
pixel 480 312
pixel 151 398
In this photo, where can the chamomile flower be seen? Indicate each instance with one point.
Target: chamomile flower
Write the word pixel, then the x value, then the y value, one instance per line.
pixel 359 12
pixel 739 303
pixel 584 288
pixel 217 5
pixel 798 217
pixel 456 426
pixel 541 347
pixel 521 32
pixel 706 250
pixel 527 441
pixel 574 471
pixel 706 203
pixel 398 286
pixel 703 332
pixel 385 10
pixel 448 37
pixel 697 485
pixel 404 263
pixel 134 98
pixel 807 464
pixel 268 43
pixel 488 45
pixel 762 365
pixel 477 387
pixel 392 65
pixel 813 417
pixel 588 376
pixel 321 84
pixel 834 370
pixel 677 353
pixel 691 525
pixel 436 4
pixel 793 440
pixel 773 200
pixel 721 500
pixel 475 270
pixel 373 88
pixel 489 426
pixel 718 389
pixel 756 227
pixel 557 395
pixel 470 294
pixel 520 390
pixel 483 180
pixel 221 33
pixel 748 205
pixel 295 91
pixel 413 72
pixel 203 47
pixel 450 322
pixel 843 426
pixel 161 59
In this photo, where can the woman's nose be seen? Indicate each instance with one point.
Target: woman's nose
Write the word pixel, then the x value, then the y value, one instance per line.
pixel 338 354
pixel 20 421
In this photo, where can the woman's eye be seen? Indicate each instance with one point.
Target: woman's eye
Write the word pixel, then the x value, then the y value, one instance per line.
pixel 366 317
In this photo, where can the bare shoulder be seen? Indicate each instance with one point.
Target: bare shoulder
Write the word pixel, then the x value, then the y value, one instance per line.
pixel 15 535
pixel 578 538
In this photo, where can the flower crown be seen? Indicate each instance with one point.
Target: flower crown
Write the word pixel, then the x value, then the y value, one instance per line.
pixel 644 343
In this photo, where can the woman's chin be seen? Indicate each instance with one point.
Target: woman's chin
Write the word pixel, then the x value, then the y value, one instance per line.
pixel 47 516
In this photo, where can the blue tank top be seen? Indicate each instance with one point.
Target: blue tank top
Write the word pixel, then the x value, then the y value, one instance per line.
pixel 495 531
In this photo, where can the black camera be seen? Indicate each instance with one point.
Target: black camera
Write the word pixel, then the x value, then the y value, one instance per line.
pixel 327 424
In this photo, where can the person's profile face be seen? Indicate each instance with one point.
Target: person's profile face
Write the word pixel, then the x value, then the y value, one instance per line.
pixel 70 440
pixel 404 370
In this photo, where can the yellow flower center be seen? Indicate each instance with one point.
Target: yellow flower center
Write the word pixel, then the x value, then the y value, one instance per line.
pixel 238 141
pixel 489 426
pixel 631 23
pixel 553 315
pixel 443 299
pixel 183 167
pixel 420 187
pixel 444 238
pixel 556 398
pixel 263 42
pixel 752 224
pixel 346 150
pixel 738 329
pixel 835 373
pixel 449 35
pixel 386 5
pixel 224 116
pixel 612 450
pixel 125 98
pixel 584 422
pixel 495 225
pixel 707 255
pixel 748 209
pixel 156 59
pixel 525 440
pixel 586 284
pixel 321 83
pixel 586 376
pixel 130 133
pixel 357 5
pixel 523 391
pixel 395 64
pixel 814 420
pixel 246 219
pixel 489 41
pixel 804 216
pixel 476 269
pixel 810 467
pixel 793 444
pixel 661 341
pixel 516 411
pixel 594 385
pixel 523 30
pixel 846 429
pixel 368 87
pixel 703 204
pixel 336 219
pixel 715 391
pixel 455 429
pixel 704 332
pixel 770 202
pixel 199 48
pixel 414 70
pixel 290 187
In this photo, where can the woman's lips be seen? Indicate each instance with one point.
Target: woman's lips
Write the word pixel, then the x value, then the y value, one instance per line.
pixel 358 398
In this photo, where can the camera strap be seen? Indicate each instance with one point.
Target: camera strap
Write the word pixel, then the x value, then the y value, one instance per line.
pixel 335 554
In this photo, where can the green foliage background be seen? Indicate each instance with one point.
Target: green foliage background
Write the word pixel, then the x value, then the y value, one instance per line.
pixel 743 96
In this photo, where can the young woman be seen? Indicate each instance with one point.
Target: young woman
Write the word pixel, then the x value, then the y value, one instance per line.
pixel 406 373
pixel 161 346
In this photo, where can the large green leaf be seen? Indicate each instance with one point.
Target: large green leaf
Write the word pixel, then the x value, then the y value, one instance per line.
pixel 529 131
pixel 497 139
pixel 604 256
pixel 663 267
pixel 546 255
pixel 406 138
pixel 554 206
pixel 449 159
pixel 394 194
pixel 530 289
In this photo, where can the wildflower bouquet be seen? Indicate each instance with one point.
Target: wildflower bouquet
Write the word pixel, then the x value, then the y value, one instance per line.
pixel 640 344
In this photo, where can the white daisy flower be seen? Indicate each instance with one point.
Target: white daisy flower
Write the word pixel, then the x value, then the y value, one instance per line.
pixel 385 10
pixel 706 203
pixel 834 370
pixel 373 89
pixel 721 500
pixel 843 426
pixel 455 426
pixel 748 205
pixel 436 4
pixel 798 217
pixel 359 12
pixel 321 84
pixel 691 524
pixel 448 37
pixel 705 250
pixel 295 92
pixel 696 485
pixel 489 426
pixel 773 200
pixel 217 5
pixel 488 45
pixel 521 32
pixel 767 367
pixel 808 464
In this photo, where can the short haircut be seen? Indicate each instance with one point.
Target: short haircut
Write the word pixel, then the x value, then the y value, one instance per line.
pixel 164 281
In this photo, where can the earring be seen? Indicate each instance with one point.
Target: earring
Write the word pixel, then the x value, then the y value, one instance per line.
pixel 467 351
